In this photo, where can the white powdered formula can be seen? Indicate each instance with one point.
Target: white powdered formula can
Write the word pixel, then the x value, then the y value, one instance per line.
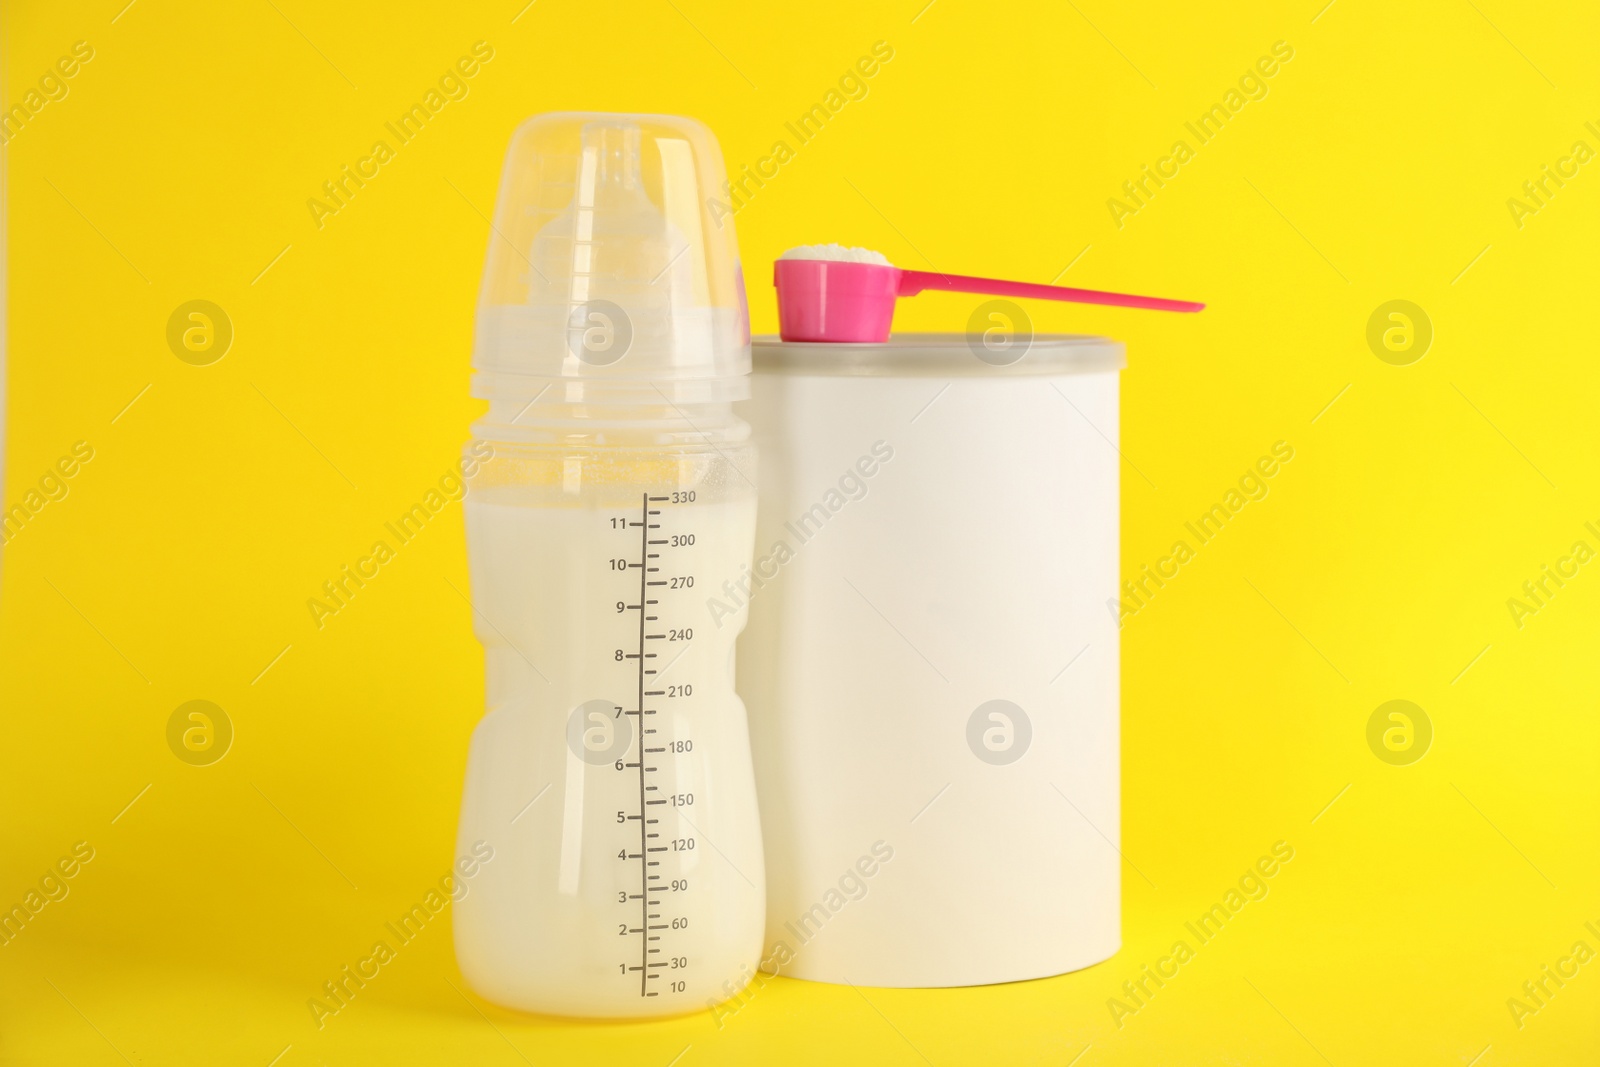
pixel 931 662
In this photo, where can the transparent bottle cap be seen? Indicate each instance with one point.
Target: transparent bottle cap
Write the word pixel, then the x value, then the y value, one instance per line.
pixel 611 272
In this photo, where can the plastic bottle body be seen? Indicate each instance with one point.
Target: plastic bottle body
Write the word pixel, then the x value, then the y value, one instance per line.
pixel 612 772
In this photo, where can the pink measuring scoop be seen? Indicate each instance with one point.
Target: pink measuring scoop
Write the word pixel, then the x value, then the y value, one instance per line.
pixel 844 302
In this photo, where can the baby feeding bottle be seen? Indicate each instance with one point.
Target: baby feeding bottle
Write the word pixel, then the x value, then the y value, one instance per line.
pixel 611 774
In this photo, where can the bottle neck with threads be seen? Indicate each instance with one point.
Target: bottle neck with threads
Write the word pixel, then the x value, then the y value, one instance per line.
pixel 551 420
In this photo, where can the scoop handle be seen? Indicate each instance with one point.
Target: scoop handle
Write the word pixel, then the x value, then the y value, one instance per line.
pixel 913 282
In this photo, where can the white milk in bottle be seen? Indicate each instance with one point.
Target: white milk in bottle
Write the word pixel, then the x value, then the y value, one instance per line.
pixel 612 772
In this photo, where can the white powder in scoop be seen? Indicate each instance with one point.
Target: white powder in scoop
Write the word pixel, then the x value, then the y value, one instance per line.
pixel 837 254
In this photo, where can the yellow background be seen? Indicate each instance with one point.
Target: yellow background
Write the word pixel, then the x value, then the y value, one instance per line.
pixel 1378 568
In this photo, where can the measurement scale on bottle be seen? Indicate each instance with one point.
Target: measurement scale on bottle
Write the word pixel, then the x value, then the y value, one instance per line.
pixel 660 853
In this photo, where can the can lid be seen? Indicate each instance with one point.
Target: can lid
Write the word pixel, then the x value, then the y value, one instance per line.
pixel 942 355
